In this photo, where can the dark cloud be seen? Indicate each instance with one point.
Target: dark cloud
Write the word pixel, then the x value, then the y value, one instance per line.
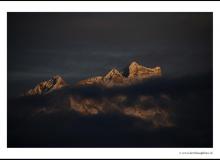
pixel 49 120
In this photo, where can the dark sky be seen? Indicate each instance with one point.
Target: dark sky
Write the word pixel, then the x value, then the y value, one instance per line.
pixel 79 45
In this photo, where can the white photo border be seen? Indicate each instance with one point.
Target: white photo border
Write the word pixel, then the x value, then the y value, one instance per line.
pixel 109 6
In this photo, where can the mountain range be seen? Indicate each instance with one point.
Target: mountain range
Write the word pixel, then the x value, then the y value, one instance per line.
pixel 105 95
pixel 136 74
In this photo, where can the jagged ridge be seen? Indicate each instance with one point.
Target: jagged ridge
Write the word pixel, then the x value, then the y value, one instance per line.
pixel 136 74
pixel 56 82
pixel 114 77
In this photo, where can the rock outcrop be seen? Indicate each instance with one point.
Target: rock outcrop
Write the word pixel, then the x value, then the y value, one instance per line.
pixel 114 75
pixel 56 82
pixel 140 72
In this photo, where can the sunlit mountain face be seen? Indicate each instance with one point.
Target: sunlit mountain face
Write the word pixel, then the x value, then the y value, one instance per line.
pixel 98 80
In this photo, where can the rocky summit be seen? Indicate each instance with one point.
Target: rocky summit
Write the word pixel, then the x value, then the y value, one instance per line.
pixel 140 72
pixel 56 82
